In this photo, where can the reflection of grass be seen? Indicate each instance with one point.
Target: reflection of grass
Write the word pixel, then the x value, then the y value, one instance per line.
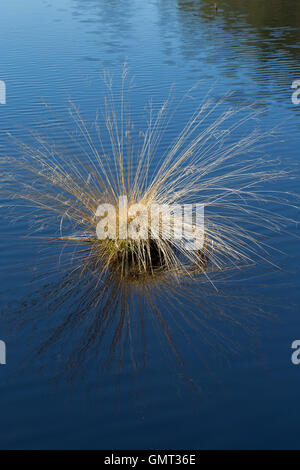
pixel 83 325
pixel 105 324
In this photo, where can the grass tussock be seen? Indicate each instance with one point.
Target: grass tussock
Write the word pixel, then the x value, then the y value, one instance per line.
pixel 215 160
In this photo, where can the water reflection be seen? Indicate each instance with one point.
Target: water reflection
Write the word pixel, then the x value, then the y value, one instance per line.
pixel 247 43
pixel 110 24
pixel 244 39
pixel 276 22
pixel 80 324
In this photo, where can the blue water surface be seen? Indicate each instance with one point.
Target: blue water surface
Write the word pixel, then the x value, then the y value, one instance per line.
pixel 234 394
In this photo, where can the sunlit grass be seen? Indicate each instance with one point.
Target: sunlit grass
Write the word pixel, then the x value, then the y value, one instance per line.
pixel 202 165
